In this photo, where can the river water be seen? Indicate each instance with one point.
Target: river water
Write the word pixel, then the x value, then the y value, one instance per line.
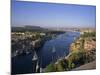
pixel 56 48
pixel 52 50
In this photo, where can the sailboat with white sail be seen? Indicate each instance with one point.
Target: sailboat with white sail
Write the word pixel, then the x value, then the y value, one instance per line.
pixel 53 51
pixel 35 57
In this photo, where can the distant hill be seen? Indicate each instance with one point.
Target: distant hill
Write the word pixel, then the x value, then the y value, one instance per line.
pixel 27 28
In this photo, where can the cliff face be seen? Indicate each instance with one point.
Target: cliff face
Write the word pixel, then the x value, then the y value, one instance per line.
pixel 85 42
pixel 89 44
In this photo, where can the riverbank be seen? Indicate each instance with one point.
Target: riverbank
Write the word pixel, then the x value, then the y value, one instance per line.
pixel 80 54
pixel 56 48
pixel 24 46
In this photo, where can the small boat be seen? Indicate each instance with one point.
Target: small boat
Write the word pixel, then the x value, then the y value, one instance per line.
pixel 40 69
pixel 37 67
pixel 53 50
pixel 35 57
pixel 27 52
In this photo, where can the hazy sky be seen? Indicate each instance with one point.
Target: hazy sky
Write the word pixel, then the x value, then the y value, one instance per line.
pixel 52 15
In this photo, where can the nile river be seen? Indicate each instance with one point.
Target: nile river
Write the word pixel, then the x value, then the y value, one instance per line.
pixel 51 51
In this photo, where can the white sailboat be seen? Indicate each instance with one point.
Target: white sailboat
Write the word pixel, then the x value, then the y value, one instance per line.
pixel 35 57
pixel 37 67
pixel 53 50
pixel 40 69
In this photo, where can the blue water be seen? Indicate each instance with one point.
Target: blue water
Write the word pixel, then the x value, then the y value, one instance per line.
pixel 46 55
pixel 61 45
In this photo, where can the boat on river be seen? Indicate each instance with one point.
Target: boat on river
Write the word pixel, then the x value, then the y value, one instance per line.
pixel 35 57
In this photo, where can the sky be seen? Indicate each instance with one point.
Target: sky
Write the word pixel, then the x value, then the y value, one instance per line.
pixel 52 14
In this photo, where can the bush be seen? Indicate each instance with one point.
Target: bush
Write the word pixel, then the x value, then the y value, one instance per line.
pixel 76 59
pixel 50 68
